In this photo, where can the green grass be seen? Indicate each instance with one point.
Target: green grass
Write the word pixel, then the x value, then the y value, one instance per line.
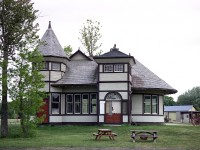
pixel 169 137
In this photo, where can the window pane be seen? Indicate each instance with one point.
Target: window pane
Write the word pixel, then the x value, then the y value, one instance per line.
pixel 69 104
pixel 93 104
pixel 55 66
pixel 118 68
pixel 147 104
pixel 154 104
pixel 55 104
pixel 108 68
pixel 77 104
pixel 85 104
pixel 46 65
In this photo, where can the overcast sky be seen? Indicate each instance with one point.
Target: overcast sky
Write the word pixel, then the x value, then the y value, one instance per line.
pixel 164 35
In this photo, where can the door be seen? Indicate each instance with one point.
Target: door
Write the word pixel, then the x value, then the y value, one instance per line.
pixel 113 113
pixel 44 111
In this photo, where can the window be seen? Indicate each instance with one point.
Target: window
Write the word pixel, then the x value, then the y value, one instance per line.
pixel 118 68
pixel 150 104
pixel 55 103
pixel 108 68
pixel 154 104
pixel 77 104
pixel 147 104
pixel 81 103
pixel 55 66
pixel 69 104
pixel 85 104
pixel 46 66
pixel 93 104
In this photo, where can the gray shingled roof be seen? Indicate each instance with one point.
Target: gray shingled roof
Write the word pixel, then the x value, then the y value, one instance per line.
pixel 143 78
pixel 178 108
pixel 51 46
pixel 114 53
pixel 79 72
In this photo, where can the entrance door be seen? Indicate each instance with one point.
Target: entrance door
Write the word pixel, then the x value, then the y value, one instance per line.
pixel 113 109
pixel 44 111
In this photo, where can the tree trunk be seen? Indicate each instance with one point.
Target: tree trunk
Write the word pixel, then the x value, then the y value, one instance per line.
pixel 4 108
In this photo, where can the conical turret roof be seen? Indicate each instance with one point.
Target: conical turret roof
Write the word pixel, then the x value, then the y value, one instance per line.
pixel 51 45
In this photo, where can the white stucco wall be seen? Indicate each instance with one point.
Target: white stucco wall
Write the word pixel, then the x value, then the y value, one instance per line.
pixel 55 75
pixel 63 67
pixel 125 118
pixel 137 104
pixel 150 119
pixel 103 94
pixel 53 119
pixel 112 76
pixel 46 75
pixel 161 105
pixel 112 86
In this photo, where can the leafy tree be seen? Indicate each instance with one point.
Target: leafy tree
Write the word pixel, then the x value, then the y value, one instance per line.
pixel 90 36
pixel 191 97
pixel 169 101
pixel 68 50
pixel 26 93
pixel 16 31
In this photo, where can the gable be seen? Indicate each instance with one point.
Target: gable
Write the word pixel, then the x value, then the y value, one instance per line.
pixel 78 55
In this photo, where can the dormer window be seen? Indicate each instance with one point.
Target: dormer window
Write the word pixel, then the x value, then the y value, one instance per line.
pixel 114 68
pixel 118 68
pixel 55 66
pixel 108 68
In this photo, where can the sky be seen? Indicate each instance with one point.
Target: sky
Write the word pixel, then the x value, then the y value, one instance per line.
pixel 164 35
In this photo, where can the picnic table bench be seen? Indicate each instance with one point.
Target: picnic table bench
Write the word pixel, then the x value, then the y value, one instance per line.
pixel 104 132
pixel 144 135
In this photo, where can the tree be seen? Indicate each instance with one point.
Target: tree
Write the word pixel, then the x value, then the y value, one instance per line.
pixel 191 97
pixel 16 26
pixel 169 101
pixel 68 50
pixel 26 94
pixel 90 36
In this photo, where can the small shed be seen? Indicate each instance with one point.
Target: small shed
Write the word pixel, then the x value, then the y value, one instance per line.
pixel 179 113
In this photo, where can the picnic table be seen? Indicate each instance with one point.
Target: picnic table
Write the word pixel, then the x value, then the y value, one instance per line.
pixel 104 132
pixel 144 135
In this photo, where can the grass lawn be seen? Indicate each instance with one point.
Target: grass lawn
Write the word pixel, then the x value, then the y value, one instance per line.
pixel 169 137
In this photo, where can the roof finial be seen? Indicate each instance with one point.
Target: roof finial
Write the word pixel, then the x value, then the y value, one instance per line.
pixel 114 46
pixel 49 25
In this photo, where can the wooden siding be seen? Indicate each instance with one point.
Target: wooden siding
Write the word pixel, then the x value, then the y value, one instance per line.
pixel 103 94
pixel 161 105
pixel 55 75
pixel 113 86
pixel 150 119
pixel 113 76
pixel 137 104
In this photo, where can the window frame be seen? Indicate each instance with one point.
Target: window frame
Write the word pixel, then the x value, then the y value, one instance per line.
pixel 93 104
pixel 87 103
pixel 77 103
pixel 54 102
pixel 108 68
pixel 151 105
pixel 118 68
pixel 59 66
pixel 72 104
